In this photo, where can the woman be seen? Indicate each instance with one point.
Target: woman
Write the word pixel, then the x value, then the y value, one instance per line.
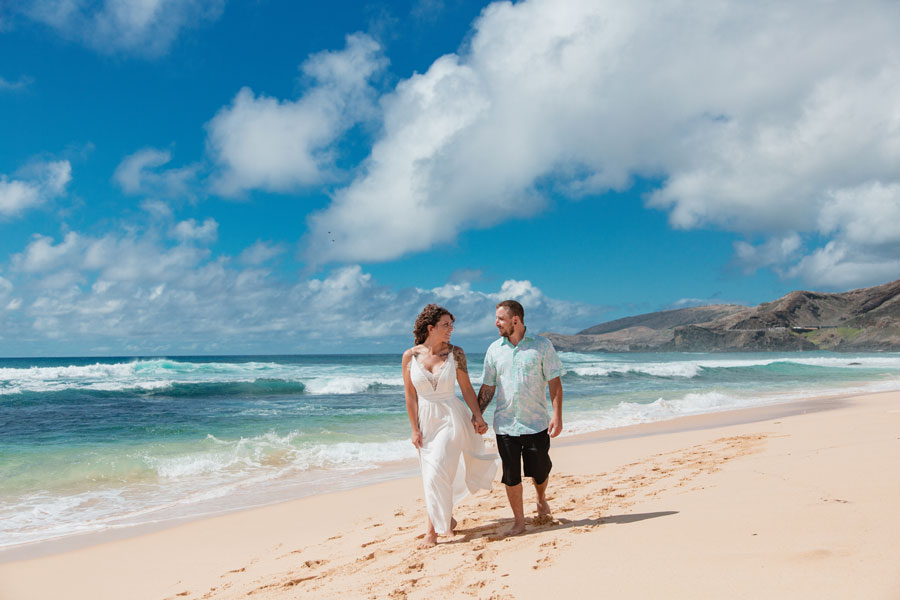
pixel 451 451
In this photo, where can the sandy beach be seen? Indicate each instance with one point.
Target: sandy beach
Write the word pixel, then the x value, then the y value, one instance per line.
pixel 790 501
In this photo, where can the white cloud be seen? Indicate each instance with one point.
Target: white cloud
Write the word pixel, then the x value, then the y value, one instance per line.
pixel 841 265
pixel 142 27
pixel 260 142
pixel 427 10
pixel 157 209
pixel 190 231
pixel 774 252
pixel 140 291
pixel 864 243
pixel 14 86
pixel 42 255
pixel 866 215
pixel 755 120
pixel 260 252
pixel 138 174
pixel 37 183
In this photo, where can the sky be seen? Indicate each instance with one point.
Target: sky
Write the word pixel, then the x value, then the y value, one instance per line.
pixel 277 177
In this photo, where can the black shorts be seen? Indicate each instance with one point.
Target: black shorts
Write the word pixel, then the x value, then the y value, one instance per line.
pixel 532 450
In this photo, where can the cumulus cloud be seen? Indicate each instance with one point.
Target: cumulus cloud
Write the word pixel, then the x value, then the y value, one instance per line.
pixel 141 291
pixel 34 185
pixel 842 265
pixel 141 27
pixel 190 231
pixel 260 252
pixel 774 252
pixel 43 255
pixel 260 142
pixel 754 120
pixel 139 173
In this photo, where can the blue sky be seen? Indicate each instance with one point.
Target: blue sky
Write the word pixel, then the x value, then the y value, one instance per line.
pixel 213 176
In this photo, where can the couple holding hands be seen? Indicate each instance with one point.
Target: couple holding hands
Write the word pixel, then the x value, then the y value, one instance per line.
pixel 517 368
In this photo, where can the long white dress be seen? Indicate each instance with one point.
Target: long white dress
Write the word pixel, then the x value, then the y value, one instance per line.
pixel 453 457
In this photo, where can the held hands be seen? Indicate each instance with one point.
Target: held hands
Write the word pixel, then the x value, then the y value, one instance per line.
pixel 479 424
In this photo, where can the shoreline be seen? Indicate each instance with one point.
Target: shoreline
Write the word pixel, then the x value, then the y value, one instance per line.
pixel 408 469
pixel 802 493
pixel 402 470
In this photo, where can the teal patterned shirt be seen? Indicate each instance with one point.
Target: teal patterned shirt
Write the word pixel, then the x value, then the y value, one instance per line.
pixel 520 374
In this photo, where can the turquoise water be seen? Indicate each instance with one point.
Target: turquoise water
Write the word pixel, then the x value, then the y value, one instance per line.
pixel 88 444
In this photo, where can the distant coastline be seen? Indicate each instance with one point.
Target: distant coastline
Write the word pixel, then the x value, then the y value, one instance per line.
pixel 863 320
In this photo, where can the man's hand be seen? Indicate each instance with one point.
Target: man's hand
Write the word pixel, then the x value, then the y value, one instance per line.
pixel 556 397
pixel 479 424
pixel 555 427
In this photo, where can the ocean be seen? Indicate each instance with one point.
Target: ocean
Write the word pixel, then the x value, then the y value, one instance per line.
pixel 88 444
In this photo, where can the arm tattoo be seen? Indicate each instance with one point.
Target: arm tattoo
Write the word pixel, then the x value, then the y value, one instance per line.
pixel 485 395
pixel 460 357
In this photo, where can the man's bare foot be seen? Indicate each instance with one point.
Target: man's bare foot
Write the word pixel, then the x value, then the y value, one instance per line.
pixel 429 541
pixel 543 510
pixel 516 529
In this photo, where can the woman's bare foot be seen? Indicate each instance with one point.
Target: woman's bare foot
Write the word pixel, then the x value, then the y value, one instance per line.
pixel 429 541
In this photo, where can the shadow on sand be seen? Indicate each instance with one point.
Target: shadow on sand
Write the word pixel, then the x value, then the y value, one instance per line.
pixel 493 531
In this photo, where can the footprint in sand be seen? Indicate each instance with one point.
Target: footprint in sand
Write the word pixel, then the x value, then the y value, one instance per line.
pixel 293 582
pixel 311 564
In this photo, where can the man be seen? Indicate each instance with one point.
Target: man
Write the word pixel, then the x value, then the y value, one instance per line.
pixel 517 367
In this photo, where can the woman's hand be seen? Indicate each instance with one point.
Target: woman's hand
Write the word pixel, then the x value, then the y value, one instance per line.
pixel 417 438
pixel 480 426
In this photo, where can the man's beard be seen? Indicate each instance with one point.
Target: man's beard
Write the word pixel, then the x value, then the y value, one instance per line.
pixel 506 332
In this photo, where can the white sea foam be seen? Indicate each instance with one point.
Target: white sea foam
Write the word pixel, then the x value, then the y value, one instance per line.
pixel 164 374
pixel 654 369
pixel 697 403
pixel 229 471
pixel 591 366
pixel 348 385
pixel 634 413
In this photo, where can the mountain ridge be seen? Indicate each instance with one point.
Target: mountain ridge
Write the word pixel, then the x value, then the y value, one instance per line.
pixel 864 319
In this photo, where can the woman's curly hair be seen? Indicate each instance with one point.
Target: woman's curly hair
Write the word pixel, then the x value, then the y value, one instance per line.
pixel 430 315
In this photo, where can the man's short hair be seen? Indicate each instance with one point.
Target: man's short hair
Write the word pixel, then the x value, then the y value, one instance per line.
pixel 514 308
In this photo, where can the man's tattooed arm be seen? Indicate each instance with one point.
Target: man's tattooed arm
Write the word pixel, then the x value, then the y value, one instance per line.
pixel 460 356
pixel 485 395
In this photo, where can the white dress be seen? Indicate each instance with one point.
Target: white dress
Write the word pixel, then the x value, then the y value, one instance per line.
pixel 453 457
